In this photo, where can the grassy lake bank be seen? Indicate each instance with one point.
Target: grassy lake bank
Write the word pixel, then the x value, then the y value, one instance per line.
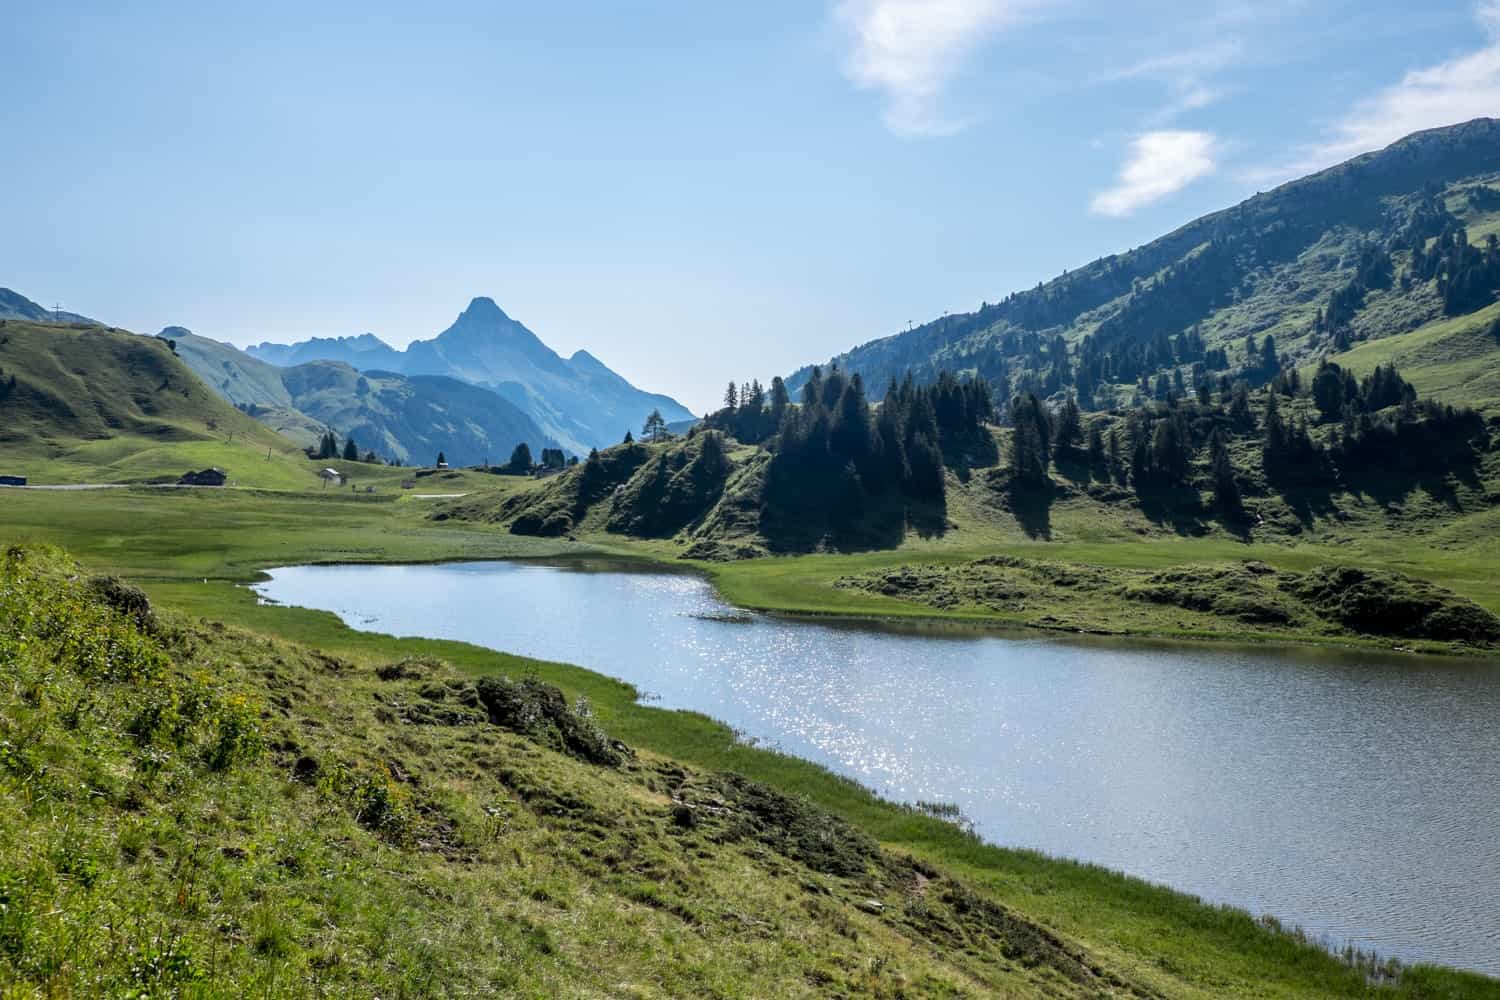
pixel 192 551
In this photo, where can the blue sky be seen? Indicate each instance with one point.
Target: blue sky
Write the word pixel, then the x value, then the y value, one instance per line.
pixel 691 191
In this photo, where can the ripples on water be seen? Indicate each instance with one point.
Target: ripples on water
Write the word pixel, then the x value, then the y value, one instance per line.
pixel 1354 795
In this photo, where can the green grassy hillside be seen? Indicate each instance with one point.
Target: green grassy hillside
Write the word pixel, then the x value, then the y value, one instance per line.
pixel 238 377
pixel 1456 360
pixel 293 823
pixel 82 404
pixel 284 807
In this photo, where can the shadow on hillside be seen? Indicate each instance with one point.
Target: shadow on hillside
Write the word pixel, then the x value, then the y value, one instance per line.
pixel 1179 508
pixel 977 451
pixel 1074 466
pixel 1438 471
pixel 1408 474
pixel 869 523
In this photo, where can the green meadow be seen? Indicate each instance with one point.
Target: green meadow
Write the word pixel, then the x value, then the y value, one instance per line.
pixel 556 898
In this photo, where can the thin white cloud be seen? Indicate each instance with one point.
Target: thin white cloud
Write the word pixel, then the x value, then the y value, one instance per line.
pixel 1159 164
pixel 1450 92
pixel 911 50
pixel 1186 66
pixel 1186 75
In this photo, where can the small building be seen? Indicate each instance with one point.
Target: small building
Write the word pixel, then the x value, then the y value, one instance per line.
pixel 12 480
pixel 441 465
pixel 332 475
pixel 208 477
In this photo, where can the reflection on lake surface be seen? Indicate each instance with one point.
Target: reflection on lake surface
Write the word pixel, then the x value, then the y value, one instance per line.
pixel 1351 793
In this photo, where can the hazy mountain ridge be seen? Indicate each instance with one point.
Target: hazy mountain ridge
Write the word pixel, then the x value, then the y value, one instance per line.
pixel 363 351
pixel 409 418
pixel 14 305
pixel 580 402
pixel 1270 265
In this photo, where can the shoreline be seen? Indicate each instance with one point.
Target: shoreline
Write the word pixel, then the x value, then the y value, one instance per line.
pixel 1323 941
pixel 196 566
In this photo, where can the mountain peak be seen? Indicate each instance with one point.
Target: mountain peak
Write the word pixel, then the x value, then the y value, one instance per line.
pixel 483 308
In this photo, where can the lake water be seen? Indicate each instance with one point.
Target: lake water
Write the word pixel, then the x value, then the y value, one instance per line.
pixel 1355 794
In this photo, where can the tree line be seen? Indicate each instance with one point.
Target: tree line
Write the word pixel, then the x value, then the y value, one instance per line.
pixel 328 448
pixel 1373 426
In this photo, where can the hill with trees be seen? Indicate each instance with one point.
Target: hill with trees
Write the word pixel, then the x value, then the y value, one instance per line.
pixel 1383 245
pixel 1338 454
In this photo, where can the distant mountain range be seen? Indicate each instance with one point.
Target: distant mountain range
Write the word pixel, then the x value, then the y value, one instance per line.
pixel 577 401
pixel 474 392
pixel 407 418
pixel 1358 252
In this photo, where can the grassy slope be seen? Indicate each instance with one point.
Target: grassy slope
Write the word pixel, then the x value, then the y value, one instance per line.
pixel 1455 360
pixel 158 839
pixel 237 376
pixel 1161 939
pixel 98 405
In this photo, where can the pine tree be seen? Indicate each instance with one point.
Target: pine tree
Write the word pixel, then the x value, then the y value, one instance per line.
pixel 351 450
pixel 655 426
pixel 1328 391
pixel 1269 360
pixel 442 459
pixel 1030 443
pixel 1096 446
pixel 850 434
pixel 520 459
pixel 1274 436
pixel 780 402
pixel 1239 407
pixel 1226 489
pixel 629 438
pixel 732 397
pixel 1069 426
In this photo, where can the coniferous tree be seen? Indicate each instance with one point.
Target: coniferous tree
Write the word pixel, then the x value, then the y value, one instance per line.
pixel 891 441
pixel 442 459
pixel 1273 435
pixel 812 389
pixel 351 450
pixel 629 438
pixel 1270 361
pixel 1171 449
pixel 1096 446
pixel 850 434
pixel 1069 426
pixel 1031 439
pixel 520 459
pixel 780 402
pixel 655 426
pixel 1226 490
pixel 1328 391
pixel 1239 407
